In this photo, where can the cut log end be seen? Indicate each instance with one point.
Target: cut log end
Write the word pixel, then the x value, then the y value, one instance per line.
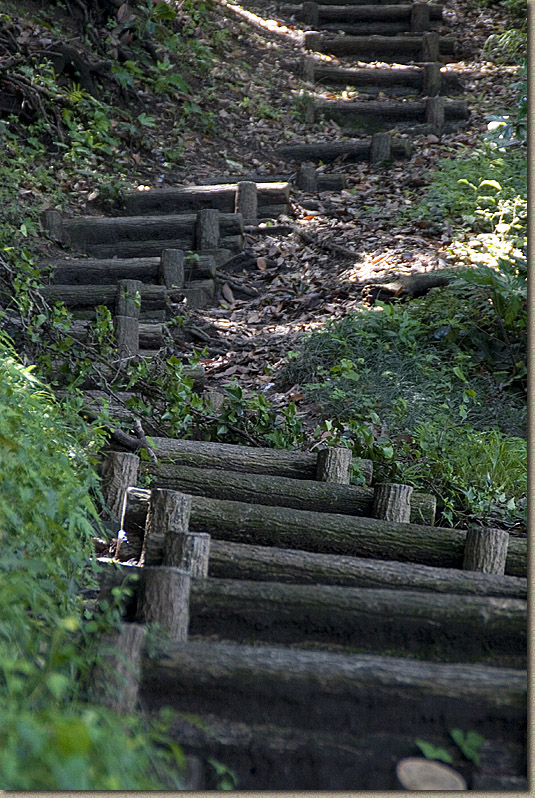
pixel 415 773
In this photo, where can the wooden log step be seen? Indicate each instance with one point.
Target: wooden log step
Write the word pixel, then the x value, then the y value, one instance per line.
pixel 327 691
pixel 424 80
pixel 291 4
pixel 397 49
pixel 326 533
pixel 271 564
pixel 321 13
pixel 110 271
pixel 85 231
pixel 194 198
pixel 150 335
pixel 446 628
pixel 385 113
pixel 277 491
pixel 152 249
pixel 200 293
pixel 350 150
pixel 253 460
pixel 153 297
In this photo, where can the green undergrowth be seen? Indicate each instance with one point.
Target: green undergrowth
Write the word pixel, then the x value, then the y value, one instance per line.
pixel 52 737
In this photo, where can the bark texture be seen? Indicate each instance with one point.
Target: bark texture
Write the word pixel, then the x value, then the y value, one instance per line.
pixel 164 600
pixel 486 550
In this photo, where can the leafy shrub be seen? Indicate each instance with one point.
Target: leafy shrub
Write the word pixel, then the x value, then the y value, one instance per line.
pixel 50 737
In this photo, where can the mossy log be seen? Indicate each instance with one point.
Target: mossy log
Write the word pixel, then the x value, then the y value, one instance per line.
pixel 271 564
pixel 280 491
pixel 194 198
pixel 325 691
pixel 446 628
pixel 249 459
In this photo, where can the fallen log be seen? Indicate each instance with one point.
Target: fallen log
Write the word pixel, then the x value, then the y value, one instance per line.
pixel 253 460
pixel 271 564
pixel 280 491
pixel 360 694
pixel 351 150
pixel 446 628
pixel 326 533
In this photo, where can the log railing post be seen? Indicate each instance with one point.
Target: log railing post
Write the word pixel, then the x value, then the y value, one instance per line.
pixel 391 502
pixel 164 600
pixel 127 306
pixel 310 13
pixel 307 69
pixel 207 230
pixel 189 551
pixel 380 147
pixel 334 465
pixel 430 46
pixel 435 114
pixel 432 80
pixel 485 550
pixel 115 681
pixel 119 472
pixel 52 223
pixel 306 178
pixel 246 201
pixel 313 41
pixel 420 17
pixel 168 514
pixel 172 267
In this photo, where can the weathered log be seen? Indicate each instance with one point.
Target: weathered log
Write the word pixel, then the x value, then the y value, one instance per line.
pixel 95 270
pixel 194 198
pixel 408 286
pixel 403 49
pixel 334 465
pixel 306 178
pixel 115 681
pixel 153 297
pixel 270 564
pixel 151 336
pixel 82 231
pixel 151 249
pixel 351 150
pixel 432 111
pixel 128 298
pixel 199 293
pixel 392 502
pixel 119 471
pixel 364 13
pixel 199 267
pixel 380 148
pixel 168 516
pixel 360 694
pixel 253 460
pixel 127 335
pixel 280 491
pixel 207 229
pixel 172 267
pixel 189 551
pixel 427 80
pixel 448 628
pixel 486 550
pixel 326 532
pixel 164 600
pixel 247 201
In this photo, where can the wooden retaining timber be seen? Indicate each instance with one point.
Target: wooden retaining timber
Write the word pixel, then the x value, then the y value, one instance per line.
pixel 428 80
pixel 447 628
pixel 401 50
pixel 366 20
pixel 253 460
pixel 384 113
pixel 151 336
pixel 147 270
pixel 349 150
pixel 153 297
pixel 278 491
pixel 360 694
pixel 326 533
pixel 271 564
pixel 324 182
pixel 272 199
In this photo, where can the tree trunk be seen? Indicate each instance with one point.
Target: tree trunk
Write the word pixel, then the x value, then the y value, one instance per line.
pixel 447 628
pixel 270 564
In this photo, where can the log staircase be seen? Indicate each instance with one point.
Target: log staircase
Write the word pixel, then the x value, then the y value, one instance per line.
pixel 309 629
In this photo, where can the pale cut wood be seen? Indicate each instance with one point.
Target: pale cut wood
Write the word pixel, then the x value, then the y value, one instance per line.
pixel 119 472
pixel 417 773
pixel 207 229
pixel 115 681
pixel 164 600
pixel 334 465
pixel 272 564
pixel 172 267
pixel 486 550
pixel 247 201
pixel 168 515
pixel 127 335
pixel 189 551
pixel 392 502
